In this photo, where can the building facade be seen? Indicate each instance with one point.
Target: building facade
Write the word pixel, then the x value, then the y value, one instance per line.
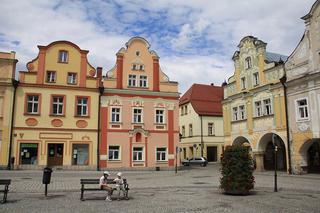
pixel 303 96
pixel 139 111
pixel 56 113
pixel 7 90
pixel 254 103
pixel 201 122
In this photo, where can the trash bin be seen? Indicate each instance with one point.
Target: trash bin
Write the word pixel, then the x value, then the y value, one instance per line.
pixel 46 175
pixel 157 168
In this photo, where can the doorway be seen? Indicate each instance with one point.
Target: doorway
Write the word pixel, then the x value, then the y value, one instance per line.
pixel 212 153
pixel 55 154
pixel 313 158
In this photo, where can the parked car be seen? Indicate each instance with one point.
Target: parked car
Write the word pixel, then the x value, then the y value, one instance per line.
pixel 202 161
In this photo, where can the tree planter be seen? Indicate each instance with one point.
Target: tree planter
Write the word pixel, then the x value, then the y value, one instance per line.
pixel 237 169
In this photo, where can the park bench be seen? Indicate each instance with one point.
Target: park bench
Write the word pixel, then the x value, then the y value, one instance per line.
pixel 91 182
pixel 5 183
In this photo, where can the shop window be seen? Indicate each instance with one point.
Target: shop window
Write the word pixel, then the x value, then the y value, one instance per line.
pixel 80 154
pixel 29 153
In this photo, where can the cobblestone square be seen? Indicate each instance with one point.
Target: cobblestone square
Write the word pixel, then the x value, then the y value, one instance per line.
pixel 194 189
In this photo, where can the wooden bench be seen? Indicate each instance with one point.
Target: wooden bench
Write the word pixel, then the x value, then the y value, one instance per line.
pixel 84 182
pixel 5 183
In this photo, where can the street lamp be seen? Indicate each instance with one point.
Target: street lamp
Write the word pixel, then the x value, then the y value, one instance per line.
pixel 274 136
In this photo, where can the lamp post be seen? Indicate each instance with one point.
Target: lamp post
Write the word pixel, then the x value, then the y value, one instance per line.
pixel 274 136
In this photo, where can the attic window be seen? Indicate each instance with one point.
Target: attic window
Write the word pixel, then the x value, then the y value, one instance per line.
pixel 248 63
pixel 137 53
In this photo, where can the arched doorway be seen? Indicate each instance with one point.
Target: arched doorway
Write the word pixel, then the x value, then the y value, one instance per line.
pixel 310 154
pixel 267 146
pixel 241 141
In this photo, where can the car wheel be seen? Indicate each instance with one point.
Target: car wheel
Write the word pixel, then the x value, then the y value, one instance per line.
pixel 203 165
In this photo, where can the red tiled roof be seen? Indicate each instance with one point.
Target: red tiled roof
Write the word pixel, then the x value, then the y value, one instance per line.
pixel 205 99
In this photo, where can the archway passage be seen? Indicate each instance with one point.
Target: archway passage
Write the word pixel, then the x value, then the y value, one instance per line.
pixel 266 144
pixel 313 157
pixel 241 141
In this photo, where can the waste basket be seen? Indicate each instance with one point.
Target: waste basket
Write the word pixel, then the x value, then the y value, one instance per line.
pixel 46 175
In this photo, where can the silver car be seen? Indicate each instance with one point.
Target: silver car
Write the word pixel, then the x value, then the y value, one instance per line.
pixel 195 161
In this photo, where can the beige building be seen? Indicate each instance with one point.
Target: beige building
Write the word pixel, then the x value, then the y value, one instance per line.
pixel 7 90
pixel 201 122
pixel 303 93
pixel 254 104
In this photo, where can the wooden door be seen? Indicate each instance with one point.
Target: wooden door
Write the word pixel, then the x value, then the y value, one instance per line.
pixel 55 154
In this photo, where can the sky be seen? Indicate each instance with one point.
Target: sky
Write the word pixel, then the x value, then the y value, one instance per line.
pixel 195 39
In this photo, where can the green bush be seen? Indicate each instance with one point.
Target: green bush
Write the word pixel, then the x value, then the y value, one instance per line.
pixel 237 168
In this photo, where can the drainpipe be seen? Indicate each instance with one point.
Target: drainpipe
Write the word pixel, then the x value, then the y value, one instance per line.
pixel 15 84
pixel 283 82
pixel 201 137
pixel 101 90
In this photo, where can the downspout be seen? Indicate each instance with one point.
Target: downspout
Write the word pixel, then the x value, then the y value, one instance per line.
pixel 15 84
pixel 201 137
pixel 101 90
pixel 283 82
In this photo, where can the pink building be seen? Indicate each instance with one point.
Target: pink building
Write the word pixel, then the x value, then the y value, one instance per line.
pixel 139 111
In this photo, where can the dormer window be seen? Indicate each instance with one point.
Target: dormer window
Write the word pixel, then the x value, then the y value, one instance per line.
pixel 248 63
pixel 63 56
pixel 137 67
pixel 137 53
pixel 141 67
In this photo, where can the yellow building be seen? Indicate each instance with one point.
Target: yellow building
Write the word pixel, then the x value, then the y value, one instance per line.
pixel 56 113
pixel 254 104
pixel 7 90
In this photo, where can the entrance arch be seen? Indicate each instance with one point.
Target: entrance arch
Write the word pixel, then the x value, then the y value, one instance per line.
pixel 310 156
pixel 267 147
pixel 241 141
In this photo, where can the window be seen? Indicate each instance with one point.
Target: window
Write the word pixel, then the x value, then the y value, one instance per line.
pixel 161 154
pixel 137 53
pixel 256 79
pixel 28 153
pixel 115 115
pixel 114 153
pixel 248 63
pixel 243 83
pixel 82 106
pixel 141 67
pixel 159 116
pixel 210 129
pixel 137 115
pixel 137 153
pixel 33 104
pixel 185 110
pixel 241 112
pixel 143 81
pixel 72 78
pixel 183 131
pixel 267 107
pixel 258 108
pixel 57 105
pixel 134 66
pixel 132 80
pixel 51 76
pixel 235 113
pixel 190 130
pixel 63 56
pixel 181 109
pixel 302 109
pixel 80 154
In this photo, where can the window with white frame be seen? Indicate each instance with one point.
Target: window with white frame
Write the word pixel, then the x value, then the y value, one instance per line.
pixel 132 80
pixel 159 116
pixel 248 63
pixel 63 56
pixel 141 67
pixel 137 153
pixel 258 108
pixel 82 106
pixel 72 78
pixel 186 110
pixel 267 110
pixel 114 153
pixel 241 112
pixel 243 82
pixel 210 129
pixel 302 109
pixel 161 154
pixel 115 114
pixel 32 104
pixel 235 113
pixel 183 131
pixel 137 115
pixel 51 76
pixel 143 81
pixel 57 105
pixel 256 79
pixel 190 130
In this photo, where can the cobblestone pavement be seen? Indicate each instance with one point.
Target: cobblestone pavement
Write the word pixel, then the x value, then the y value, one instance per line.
pixel 195 189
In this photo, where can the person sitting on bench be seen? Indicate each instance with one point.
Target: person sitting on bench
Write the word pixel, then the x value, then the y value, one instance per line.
pixel 120 185
pixel 103 185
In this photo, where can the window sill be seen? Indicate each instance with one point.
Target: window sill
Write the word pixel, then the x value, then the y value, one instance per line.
pixel 302 119
pixel 52 115
pixel 263 116
pixel 160 124
pixel 75 84
pixel 63 62
pixel 114 161
pixel 114 122
pixel 162 162
pixel 31 114
pixel 239 121
pixel 137 123
pixel 50 82
pixel 82 116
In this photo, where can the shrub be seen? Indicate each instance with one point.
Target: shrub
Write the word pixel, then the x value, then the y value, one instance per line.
pixel 237 168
